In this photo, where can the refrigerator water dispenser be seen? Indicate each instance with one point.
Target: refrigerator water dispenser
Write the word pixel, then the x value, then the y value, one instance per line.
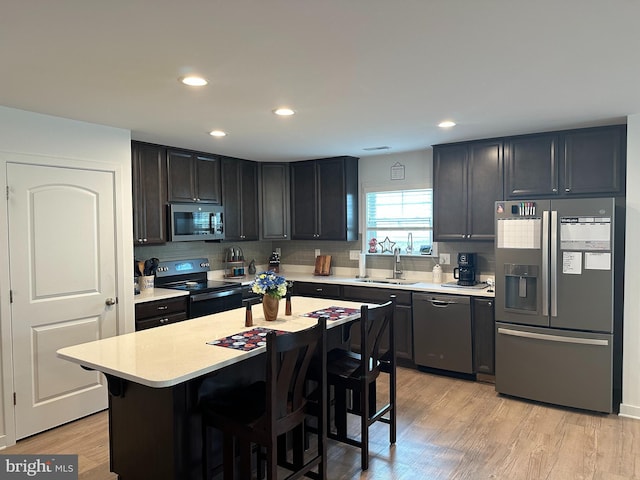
pixel 521 287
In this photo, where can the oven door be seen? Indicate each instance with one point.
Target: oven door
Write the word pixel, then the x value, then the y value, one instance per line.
pixel 207 303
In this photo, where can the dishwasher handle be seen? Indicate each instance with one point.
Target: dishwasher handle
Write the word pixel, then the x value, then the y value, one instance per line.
pixel 442 303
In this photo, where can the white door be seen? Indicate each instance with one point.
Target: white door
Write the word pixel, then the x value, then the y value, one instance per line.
pixel 63 273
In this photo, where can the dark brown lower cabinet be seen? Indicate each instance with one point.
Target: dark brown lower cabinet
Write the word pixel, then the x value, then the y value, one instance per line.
pixel 483 336
pixel 160 312
pixel 156 432
pixel 403 313
pixel 318 290
pixel 403 317
pixel 482 320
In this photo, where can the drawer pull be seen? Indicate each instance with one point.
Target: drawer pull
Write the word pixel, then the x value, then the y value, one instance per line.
pixel 163 307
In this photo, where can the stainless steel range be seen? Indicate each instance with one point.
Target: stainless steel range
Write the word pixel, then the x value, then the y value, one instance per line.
pixel 205 296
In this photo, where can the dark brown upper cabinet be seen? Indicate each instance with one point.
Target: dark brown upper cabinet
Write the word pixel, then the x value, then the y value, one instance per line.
pixel 193 177
pixel 275 201
pixel 324 199
pixel 584 162
pixel 595 161
pixel 532 166
pixel 467 182
pixel 240 199
pixel 149 182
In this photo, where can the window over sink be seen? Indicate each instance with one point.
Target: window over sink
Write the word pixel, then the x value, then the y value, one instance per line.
pixel 400 219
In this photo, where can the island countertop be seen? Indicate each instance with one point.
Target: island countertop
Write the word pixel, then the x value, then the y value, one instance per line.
pixel 168 355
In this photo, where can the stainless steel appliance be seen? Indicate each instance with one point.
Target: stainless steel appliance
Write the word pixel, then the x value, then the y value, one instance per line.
pixel 558 304
pixel 465 272
pixel 195 221
pixel 205 296
pixel 442 332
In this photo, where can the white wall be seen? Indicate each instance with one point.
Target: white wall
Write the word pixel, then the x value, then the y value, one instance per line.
pixel 631 353
pixel 33 134
pixel 376 171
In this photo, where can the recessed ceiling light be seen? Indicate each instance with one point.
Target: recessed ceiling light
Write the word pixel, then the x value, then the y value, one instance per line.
pixel 447 124
pixel 193 81
pixel 218 133
pixel 284 111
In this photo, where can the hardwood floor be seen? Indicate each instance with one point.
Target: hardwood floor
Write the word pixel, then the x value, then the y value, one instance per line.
pixel 447 429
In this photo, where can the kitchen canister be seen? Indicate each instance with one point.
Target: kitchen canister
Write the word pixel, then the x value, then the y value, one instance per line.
pixel 146 281
pixel 436 274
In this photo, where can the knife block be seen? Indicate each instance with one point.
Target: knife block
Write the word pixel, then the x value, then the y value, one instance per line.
pixel 323 265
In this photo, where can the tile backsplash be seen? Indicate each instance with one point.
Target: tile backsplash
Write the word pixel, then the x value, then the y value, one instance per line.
pixel 214 251
pixel 302 252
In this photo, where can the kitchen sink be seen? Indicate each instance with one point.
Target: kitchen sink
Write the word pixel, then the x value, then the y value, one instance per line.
pixel 392 281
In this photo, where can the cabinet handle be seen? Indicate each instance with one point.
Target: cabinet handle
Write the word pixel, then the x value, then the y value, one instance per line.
pixel 567 189
pixel 285 235
pixel 319 290
pixel 194 199
pixel 554 190
pixel 489 304
pixel 163 307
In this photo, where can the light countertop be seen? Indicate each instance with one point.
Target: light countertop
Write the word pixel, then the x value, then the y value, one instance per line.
pixel 175 353
pixel 151 294
pixel 408 285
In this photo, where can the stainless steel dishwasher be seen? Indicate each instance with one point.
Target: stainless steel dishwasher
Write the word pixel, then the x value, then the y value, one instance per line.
pixel 442 332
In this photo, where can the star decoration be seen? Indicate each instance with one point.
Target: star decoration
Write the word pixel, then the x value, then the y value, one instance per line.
pixel 387 245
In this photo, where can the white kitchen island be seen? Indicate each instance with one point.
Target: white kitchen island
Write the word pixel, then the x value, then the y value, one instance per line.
pixel 155 378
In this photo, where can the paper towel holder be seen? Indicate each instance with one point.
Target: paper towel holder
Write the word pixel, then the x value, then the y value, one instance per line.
pixel 362 266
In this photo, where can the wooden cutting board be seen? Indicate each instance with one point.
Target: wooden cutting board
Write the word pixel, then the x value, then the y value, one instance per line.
pixel 323 265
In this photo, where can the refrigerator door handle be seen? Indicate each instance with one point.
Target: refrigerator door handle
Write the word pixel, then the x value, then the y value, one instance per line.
pixel 554 263
pixel 545 263
pixel 553 338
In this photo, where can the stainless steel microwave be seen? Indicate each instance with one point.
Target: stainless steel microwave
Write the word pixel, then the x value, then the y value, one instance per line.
pixel 195 221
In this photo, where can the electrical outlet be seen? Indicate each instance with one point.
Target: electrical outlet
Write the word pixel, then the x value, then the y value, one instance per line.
pixel 354 254
pixel 317 252
pixel 445 258
pixel 278 251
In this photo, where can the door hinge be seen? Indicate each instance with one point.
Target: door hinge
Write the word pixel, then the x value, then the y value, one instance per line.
pixel 7 192
pixel 10 296
pixel 14 399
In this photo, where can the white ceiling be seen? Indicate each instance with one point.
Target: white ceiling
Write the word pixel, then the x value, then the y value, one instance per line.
pixel 359 73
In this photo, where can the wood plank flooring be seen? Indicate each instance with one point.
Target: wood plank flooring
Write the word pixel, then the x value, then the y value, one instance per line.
pixel 447 429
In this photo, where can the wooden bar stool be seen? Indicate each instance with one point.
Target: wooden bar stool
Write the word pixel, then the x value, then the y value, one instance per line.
pixel 264 412
pixel 354 373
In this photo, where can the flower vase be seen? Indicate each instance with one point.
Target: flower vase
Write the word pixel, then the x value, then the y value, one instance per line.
pixel 270 307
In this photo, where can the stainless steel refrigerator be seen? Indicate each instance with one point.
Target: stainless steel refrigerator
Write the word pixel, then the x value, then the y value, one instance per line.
pixel 558 302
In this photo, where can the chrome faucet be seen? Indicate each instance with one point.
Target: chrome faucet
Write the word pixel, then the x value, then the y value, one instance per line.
pixel 397 271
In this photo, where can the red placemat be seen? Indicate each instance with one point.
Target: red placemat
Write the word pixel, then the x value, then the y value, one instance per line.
pixel 246 341
pixel 333 313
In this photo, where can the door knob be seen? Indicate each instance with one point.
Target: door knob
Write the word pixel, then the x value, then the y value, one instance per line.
pixel 110 301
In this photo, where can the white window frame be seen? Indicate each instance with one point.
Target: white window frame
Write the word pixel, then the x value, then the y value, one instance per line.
pixel 365 240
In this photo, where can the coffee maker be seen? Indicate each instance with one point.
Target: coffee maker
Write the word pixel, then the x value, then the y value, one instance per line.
pixel 465 272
